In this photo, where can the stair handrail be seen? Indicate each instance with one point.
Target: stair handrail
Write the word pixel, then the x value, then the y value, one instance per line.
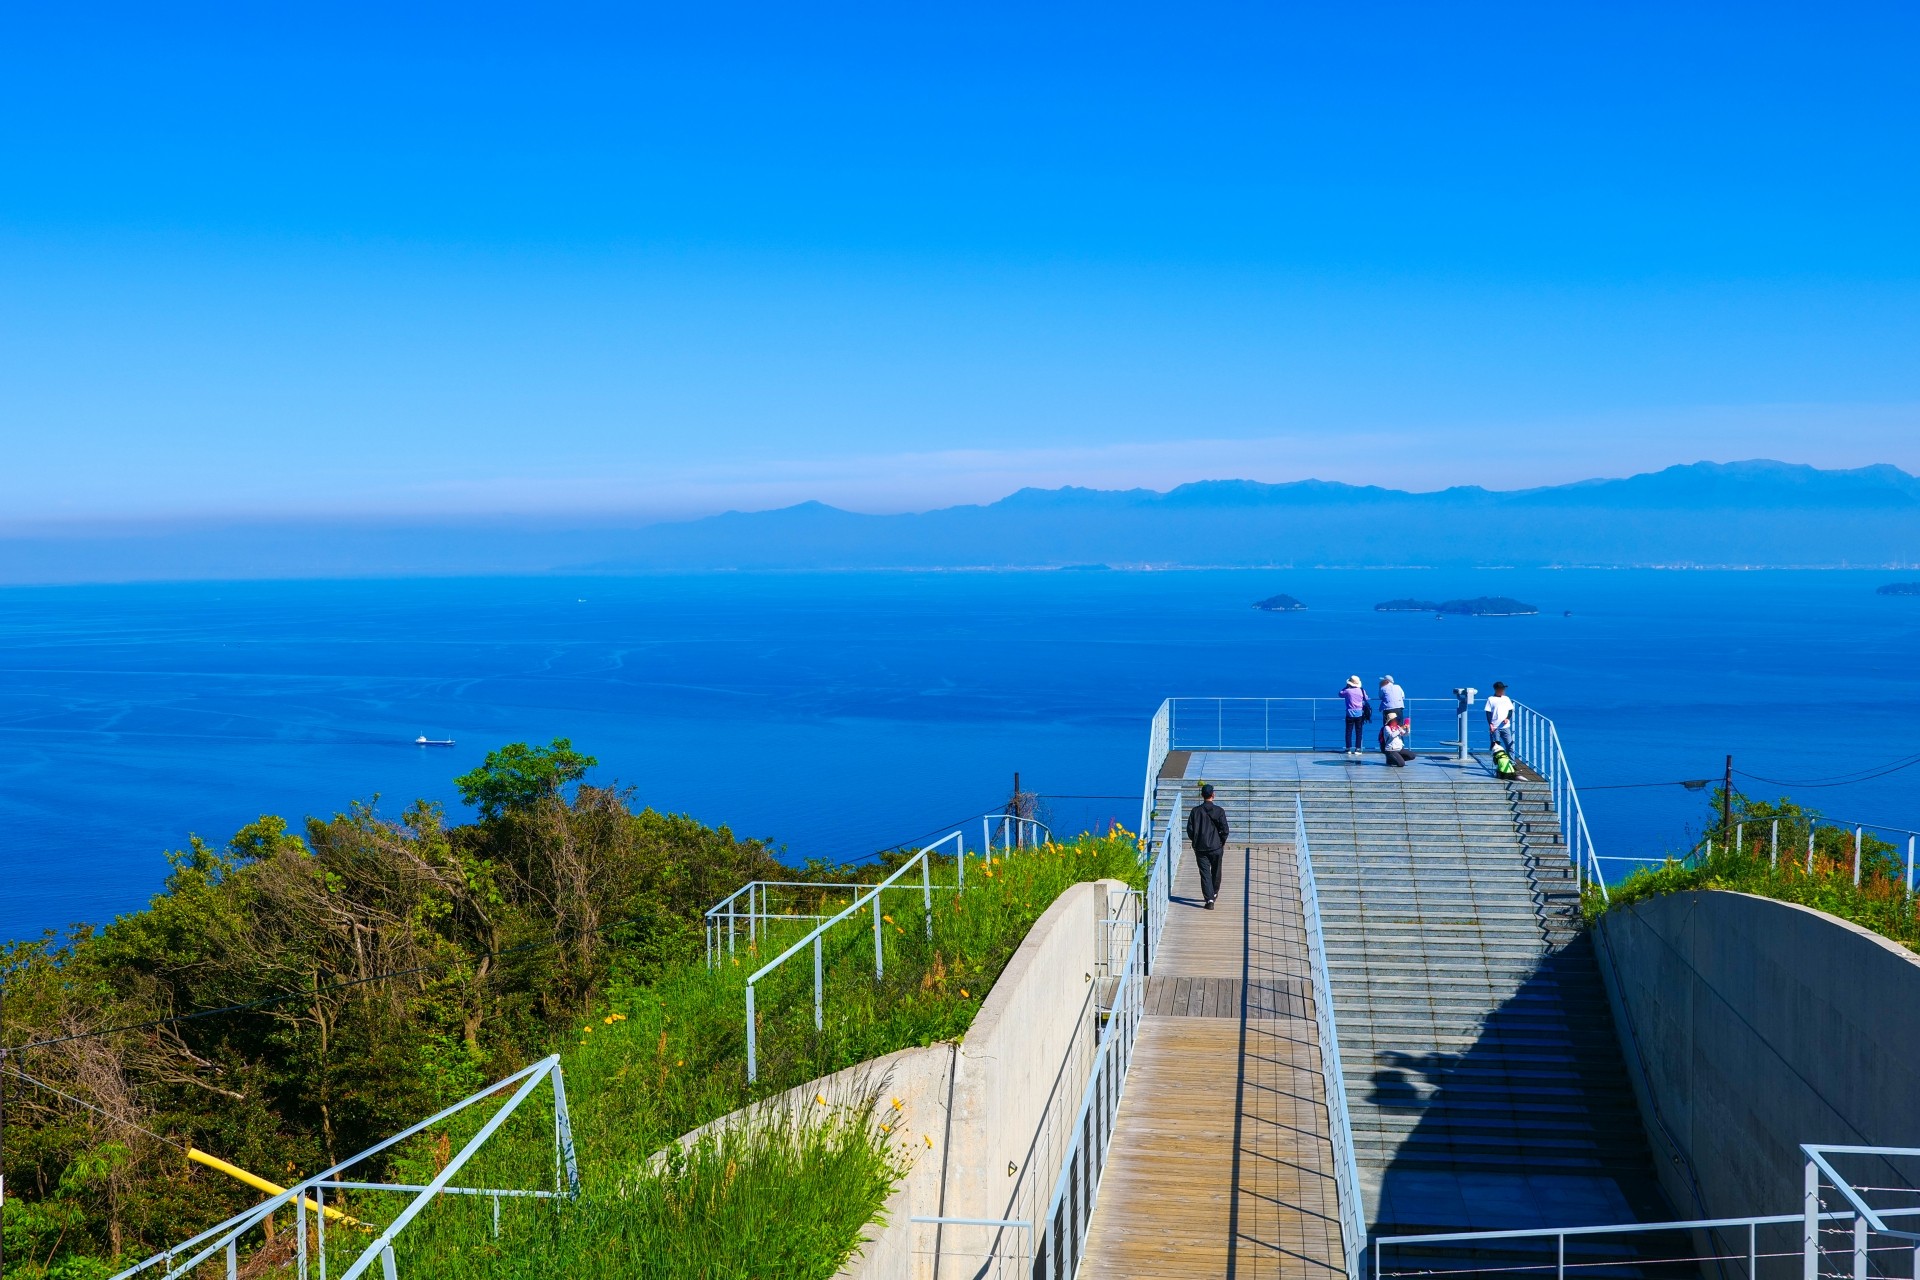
pixel 1159 743
pixel 1161 854
pixel 1346 1171
pixel 1536 743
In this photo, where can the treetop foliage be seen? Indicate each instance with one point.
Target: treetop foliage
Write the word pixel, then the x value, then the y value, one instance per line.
pixel 518 777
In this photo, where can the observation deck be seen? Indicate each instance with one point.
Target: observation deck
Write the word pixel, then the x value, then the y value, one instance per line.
pixel 1452 1065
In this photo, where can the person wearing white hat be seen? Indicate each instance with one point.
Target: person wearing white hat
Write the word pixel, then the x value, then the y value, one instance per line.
pixel 1359 710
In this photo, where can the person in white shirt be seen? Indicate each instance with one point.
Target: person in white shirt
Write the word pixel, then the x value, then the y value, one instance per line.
pixel 1500 716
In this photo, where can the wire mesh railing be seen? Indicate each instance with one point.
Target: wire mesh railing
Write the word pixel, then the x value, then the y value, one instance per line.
pixel 1879 1189
pixel 1063 1232
pixel 1274 724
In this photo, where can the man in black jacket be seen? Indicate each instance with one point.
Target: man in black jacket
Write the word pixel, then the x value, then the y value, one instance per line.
pixel 1207 831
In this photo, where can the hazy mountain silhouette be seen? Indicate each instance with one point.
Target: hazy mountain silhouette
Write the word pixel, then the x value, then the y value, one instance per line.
pixel 1743 513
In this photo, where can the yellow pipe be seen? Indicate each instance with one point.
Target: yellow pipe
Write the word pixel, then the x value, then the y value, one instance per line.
pixel 258 1183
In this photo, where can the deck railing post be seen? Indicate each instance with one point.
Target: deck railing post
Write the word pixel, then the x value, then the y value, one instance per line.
pixel 1809 848
pixel 1810 1224
pixel 1740 838
pixel 819 988
pixel 926 892
pixel 879 955
pixel 753 1060
pixel 1859 1248
pixel 1773 847
pixel 1910 888
pixel 1856 857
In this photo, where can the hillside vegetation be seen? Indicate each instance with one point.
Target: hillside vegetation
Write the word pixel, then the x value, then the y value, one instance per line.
pixel 361 974
pixel 1739 856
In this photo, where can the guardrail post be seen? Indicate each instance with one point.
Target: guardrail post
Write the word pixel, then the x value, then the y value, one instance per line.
pixel 1740 838
pixel 1560 1256
pixel 1810 1225
pixel 753 1060
pixel 233 1259
pixel 926 891
pixel 730 902
pixel 1859 1248
pixel 387 1269
pixel 300 1235
pixel 1773 856
pixel 1809 848
pixel 819 988
pixel 1856 857
pixel 1910 888
pixel 879 954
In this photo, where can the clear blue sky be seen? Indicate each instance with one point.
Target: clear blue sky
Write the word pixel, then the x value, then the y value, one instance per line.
pixel 311 259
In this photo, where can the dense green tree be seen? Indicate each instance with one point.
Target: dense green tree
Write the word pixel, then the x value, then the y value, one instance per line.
pixel 518 777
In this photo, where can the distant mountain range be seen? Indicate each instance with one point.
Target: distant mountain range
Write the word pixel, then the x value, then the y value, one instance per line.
pixel 1742 513
pixel 1749 514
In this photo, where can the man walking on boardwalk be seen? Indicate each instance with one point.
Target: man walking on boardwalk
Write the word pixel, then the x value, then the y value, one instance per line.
pixel 1207 832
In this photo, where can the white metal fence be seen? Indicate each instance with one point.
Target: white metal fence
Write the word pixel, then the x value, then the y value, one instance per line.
pixel 307 1199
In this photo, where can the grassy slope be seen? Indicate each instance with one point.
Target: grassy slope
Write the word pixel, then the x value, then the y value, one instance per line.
pixel 665 1058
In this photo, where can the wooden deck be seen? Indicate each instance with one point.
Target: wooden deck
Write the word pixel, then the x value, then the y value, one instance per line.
pixel 1220 1164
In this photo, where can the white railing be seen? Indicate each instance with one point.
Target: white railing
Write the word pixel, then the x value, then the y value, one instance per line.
pixel 1813 822
pixel 1063 1233
pixel 1276 724
pixel 865 896
pixel 1346 1172
pixel 1159 742
pixel 1160 855
pixel 758 905
pixel 1014 832
pixel 1537 745
pixel 308 1198
pixel 1856 1240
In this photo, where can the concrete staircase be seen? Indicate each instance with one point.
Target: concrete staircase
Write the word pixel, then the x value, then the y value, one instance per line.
pixel 1483 1075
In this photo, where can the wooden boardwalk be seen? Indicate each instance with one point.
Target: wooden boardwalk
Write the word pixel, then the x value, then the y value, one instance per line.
pixel 1221 1164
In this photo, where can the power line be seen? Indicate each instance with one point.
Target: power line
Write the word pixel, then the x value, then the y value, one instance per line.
pixel 1691 784
pixel 82 1102
pixel 1838 780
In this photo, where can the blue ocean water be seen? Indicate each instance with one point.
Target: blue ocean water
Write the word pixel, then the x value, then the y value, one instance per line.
pixel 841 713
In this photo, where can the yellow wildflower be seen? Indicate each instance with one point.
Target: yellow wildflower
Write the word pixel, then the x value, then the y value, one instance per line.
pixel 928 1139
pixel 896 1104
pixel 820 1098
pixel 964 995
pixel 888 919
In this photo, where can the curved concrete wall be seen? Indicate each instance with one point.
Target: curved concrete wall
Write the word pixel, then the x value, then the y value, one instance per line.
pixel 1751 1026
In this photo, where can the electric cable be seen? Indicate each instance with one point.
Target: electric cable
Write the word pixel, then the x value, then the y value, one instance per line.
pixel 1842 780
pixel 82 1102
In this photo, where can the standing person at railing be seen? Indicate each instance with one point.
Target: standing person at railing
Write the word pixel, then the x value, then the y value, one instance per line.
pixel 1207 832
pixel 1392 698
pixel 1359 711
pixel 1500 717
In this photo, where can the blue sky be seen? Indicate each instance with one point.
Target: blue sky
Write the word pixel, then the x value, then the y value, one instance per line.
pixel 664 261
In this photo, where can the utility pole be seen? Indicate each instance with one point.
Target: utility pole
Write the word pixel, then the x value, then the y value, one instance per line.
pixel 1726 801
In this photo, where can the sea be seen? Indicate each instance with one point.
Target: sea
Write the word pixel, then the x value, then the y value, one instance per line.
pixel 837 714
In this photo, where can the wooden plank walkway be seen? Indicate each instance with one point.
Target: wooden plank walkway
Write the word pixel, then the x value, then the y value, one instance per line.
pixel 1221 1164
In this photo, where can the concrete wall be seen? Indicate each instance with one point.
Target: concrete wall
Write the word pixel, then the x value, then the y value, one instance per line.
pixel 1751 1026
pixel 1003 1099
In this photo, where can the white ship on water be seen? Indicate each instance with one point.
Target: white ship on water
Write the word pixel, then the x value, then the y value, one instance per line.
pixel 424 741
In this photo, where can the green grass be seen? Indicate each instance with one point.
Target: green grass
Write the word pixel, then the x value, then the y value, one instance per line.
pixel 663 1059
pixel 1879 902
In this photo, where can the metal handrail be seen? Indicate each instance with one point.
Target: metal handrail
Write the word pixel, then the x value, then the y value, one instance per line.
pixel 1814 822
pixel 1160 881
pixel 814 936
pixel 1346 1171
pixel 1537 745
pixel 1064 1233
pixel 225 1236
pixel 727 915
pixel 1819 1173
pixel 1159 743
pixel 1204 724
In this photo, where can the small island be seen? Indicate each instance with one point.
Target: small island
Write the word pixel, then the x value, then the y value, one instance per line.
pixel 1279 604
pixel 1407 606
pixel 1900 589
pixel 1489 607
